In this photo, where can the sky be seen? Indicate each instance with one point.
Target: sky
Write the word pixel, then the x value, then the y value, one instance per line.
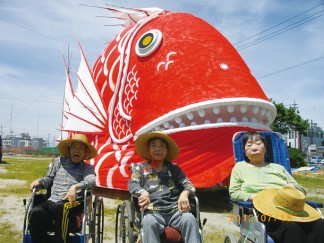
pixel 282 42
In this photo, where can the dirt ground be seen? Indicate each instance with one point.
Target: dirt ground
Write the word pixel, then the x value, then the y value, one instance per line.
pixel 214 206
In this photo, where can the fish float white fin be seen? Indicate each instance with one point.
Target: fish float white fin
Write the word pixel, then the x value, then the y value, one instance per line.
pixel 87 112
pixel 129 16
pixel 67 100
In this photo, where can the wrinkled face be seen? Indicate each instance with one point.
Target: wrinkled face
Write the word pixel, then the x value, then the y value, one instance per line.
pixel 255 150
pixel 77 152
pixel 158 149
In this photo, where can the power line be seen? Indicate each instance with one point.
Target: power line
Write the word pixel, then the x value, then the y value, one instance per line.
pixel 281 31
pixel 35 101
pixel 291 67
pixel 277 24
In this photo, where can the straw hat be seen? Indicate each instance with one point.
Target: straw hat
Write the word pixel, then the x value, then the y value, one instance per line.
pixel 286 204
pixel 141 145
pixel 63 147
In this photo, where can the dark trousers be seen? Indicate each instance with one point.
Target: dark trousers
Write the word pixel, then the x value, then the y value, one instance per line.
pixel 295 232
pixel 50 216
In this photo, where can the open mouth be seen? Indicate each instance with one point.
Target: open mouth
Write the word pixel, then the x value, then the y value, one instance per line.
pixel 248 112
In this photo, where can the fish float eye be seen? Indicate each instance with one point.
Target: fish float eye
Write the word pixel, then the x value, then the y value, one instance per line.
pixel 148 43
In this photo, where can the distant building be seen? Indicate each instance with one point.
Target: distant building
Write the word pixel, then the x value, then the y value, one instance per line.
pixel 23 140
pixel 311 144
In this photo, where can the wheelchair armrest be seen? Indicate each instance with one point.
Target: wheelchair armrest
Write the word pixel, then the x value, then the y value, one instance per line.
pixel 244 204
pixel 314 204
pixel 87 193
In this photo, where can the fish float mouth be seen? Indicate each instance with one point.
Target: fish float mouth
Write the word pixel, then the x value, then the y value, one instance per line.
pixel 247 112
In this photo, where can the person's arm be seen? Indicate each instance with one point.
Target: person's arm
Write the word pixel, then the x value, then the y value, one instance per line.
pixel 135 187
pixel 185 186
pixel 88 182
pixel 235 188
pixel 89 178
pixel 292 182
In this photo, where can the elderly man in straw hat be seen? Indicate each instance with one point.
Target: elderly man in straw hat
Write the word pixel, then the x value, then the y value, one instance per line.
pixel 68 176
pixel 162 189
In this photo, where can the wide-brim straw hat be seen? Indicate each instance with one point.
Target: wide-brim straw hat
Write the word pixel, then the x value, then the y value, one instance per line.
pixel 63 146
pixel 286 204
pixel 142 148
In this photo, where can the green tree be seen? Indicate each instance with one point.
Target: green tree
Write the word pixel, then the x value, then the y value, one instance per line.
pixel 288 119
pixel 296 157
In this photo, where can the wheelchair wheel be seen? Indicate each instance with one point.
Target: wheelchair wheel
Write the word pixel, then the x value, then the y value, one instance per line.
pixel 98 216
pixel 124 231
pixel 230 239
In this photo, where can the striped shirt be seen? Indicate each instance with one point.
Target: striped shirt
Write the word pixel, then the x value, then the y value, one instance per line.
pixel 63 174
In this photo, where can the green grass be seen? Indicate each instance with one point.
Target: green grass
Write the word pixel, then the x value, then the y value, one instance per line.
pixel 30 169
pixel 23 169
pixel 311 182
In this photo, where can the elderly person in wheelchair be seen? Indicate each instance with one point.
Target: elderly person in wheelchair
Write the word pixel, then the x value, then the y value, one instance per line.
pixel 162 189
pixel 67 176
pixel 276 195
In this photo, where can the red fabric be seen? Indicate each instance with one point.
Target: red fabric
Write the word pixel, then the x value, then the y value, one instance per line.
pixel 186 70
pixel 171 235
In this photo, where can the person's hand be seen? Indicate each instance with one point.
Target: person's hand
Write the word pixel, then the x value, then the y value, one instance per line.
pixel 34 184
pixel 71 195
pixel 144 200
pixel 251 197
pixel 291 185
pixel 183 202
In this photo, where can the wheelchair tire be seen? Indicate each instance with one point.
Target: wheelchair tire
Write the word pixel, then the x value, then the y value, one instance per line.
pixel 230 239
pixel 124 231
pixel 98 219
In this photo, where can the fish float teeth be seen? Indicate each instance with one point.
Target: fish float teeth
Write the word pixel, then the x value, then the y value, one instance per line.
pixel 230 108
pixel 254 120
pixel 255 109
pixel 190 115
pixel 219 120
pixel 245 119
pixel 207 122
pixel 216 110
pixel 262 111
pixel 182 125
pixel 268 114
pixel 202 113
pixel 243 108
pixel 178 120
pixel 193 124
pixel 233 119
pixel 166 124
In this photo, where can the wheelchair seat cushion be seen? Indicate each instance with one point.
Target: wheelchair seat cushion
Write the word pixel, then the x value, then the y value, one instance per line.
pixel 171 235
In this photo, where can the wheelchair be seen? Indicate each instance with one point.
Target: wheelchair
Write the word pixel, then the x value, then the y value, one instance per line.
pixel 129 218
pixel 87 225
pixel 244 214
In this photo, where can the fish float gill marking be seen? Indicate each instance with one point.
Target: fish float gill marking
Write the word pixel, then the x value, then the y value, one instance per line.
pixel 167 62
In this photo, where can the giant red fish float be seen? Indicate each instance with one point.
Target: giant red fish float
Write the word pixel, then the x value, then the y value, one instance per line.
pixel 172 72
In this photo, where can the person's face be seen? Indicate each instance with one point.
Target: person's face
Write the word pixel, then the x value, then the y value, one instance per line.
pixel 158 149
pixel 77 152
pixel 255 150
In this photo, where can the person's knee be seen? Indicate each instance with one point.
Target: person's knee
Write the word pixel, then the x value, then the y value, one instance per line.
pixel 35 213
pixel 189 219
pixel 292 228
pixel 149 221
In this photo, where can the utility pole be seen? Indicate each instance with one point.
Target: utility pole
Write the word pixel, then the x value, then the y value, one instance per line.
pixel 296 133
